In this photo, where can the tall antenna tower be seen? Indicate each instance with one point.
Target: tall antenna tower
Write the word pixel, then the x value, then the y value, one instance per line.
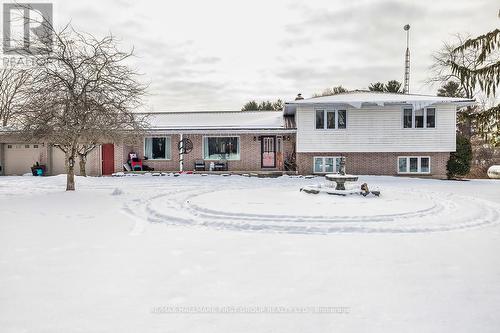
pixel 406 88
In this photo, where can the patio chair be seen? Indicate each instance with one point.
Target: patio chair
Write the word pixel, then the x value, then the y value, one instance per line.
pixel 199 165
pixel 221 165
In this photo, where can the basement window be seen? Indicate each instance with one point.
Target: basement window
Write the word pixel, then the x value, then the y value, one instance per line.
pixel 414 164
pixel 326 164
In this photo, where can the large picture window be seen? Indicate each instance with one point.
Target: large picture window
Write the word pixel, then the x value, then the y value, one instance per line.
pixel 217 148
pixel 326 164
pixel 331 119
pixel 158 148
pixel 421 118
pixel 414 164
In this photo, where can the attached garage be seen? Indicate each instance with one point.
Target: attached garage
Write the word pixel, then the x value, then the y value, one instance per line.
pixel 58 166
pixel 20 157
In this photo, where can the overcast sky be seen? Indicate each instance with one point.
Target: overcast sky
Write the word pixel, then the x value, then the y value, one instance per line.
pixel 216 55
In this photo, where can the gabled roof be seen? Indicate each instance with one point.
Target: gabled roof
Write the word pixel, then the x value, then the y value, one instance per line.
pixel 357 99
pixel 217 120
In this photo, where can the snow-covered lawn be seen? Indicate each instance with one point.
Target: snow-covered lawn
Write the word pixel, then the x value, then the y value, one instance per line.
pixel 424 257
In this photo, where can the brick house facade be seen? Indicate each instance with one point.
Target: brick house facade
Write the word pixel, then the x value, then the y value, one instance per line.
pixel 250 151
pixel 378 133
pixel 375 163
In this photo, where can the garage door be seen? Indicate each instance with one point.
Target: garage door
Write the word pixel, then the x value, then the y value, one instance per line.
pixel 20 157
pixel 59 167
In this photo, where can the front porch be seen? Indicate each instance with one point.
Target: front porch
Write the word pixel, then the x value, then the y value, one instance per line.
pixel 256 173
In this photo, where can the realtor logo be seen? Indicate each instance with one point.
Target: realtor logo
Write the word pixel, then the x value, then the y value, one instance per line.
pixel 27 28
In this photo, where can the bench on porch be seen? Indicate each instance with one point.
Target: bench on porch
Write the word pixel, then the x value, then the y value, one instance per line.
pixel 221 165
pixel 199 165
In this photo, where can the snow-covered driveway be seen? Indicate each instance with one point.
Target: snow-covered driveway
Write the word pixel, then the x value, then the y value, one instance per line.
pixel 422 258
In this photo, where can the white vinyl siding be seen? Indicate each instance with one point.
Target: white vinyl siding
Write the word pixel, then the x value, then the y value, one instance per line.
pixel 376 129
pixel 414 164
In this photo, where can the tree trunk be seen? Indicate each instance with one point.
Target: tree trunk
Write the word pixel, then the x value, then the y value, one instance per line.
pixel 83 162
pixel 70 178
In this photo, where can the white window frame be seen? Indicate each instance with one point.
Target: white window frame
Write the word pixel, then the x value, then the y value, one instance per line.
pixel 167 138
pixel 413 118
pixel 323 158
pixel 220 136
pixel 419 165
pixel 325 119
pixel 435 117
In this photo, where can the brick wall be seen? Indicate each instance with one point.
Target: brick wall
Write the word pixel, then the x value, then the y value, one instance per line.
pixel 374 163
pixel 250 153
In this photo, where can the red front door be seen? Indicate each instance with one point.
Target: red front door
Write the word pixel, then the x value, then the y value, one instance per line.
pixel 108 159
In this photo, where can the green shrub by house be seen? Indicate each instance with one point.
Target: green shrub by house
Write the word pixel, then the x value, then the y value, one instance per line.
pixel 459 162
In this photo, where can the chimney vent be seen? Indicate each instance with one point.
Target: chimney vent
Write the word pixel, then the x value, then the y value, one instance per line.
pixel 299 97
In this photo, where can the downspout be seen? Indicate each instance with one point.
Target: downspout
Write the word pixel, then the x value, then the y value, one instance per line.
pixel 2 158
pixel 181 153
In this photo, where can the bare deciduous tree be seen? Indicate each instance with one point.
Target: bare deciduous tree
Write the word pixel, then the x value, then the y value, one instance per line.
pixel 441 71
pixel 12 81
pixel 81 93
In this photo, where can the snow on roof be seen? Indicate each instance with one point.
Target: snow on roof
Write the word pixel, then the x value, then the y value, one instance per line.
pixel 217 120
pixel 358 98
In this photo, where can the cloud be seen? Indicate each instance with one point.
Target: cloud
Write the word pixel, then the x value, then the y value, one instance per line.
pixel 217 55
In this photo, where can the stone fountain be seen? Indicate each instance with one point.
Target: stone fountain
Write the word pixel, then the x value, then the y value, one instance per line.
pixel 340 178
pixel 335 184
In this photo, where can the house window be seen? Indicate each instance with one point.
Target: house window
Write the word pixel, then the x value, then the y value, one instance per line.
pixel 158 148
pixel 26 146
pixel 431 118
pixel 35 146
pixel 422 118
pixel 9 146
pixel 407 118
pixel 326 164
pixel 419 118
pixel 320 119
pixel 402 164
pixel 342 119
pixel 424 165
pixel 331 119
pixel 414 164
pixel 216 148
